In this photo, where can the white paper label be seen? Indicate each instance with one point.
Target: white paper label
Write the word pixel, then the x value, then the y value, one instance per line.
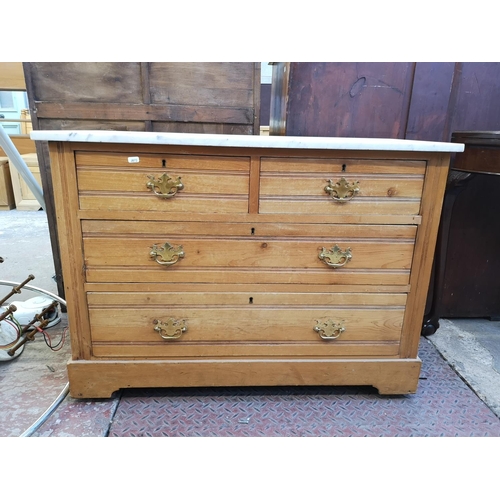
pixel 133 159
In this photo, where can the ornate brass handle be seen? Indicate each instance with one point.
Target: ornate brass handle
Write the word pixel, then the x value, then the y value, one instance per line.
pixel 166 255
pixel 165 186
pixel 171 329
pixel 329 330
pixel 342 190
pixel 335 257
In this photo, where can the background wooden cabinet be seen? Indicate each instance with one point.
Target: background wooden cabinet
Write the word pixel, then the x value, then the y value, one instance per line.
pixel 419 101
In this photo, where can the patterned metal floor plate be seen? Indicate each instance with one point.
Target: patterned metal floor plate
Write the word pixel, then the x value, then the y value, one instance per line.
pixel 443 406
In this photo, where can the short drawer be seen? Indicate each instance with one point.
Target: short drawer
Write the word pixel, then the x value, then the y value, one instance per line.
pixel 166 183
pixel 133 251
pixel 191 324
pixel 327 187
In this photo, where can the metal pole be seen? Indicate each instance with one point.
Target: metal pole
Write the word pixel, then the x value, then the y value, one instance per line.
pixel 16 160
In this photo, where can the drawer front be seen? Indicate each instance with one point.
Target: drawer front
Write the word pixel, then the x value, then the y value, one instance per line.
pixel 134 251
pixel 240 324
pixel 166 183
pixel 327 187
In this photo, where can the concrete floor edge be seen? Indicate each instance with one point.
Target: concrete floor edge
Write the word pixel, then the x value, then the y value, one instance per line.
pixel 459 343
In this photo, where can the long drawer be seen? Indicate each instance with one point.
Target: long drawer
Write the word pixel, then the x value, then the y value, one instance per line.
pixel 134 251
pixel 163 183
pixel 343 186
pixel 187 324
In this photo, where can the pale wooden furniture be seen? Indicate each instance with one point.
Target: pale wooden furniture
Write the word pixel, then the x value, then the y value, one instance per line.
pixel 23 144
pixel 12 76
pixel 24 197
pixel 7 201
pixel 211 260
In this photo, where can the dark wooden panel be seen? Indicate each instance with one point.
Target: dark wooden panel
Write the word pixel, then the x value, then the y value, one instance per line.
pixel 471 286
pixel 86 82
pixel 122 111
pixel 51 124
pixel 265 102
pixel 430 99
pixel 479 160
pixel 203 128
pixel 349 99
pixel 203 84
pixel 420 101
pixel 467 267
pixel 478 97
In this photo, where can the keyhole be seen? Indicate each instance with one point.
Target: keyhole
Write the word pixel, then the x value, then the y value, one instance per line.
pixel 164 163
pixel 344 167
pixel 250 300
pixel 252 231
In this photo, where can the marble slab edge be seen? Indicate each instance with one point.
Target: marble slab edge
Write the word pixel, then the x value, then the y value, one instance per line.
pixel 256 141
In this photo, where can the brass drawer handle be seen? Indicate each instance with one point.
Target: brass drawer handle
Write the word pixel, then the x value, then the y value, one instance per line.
pixel 164 186
pixel 329 330
pixel 335 257
pixel 171 329
pixel 342 190
pixel 166 255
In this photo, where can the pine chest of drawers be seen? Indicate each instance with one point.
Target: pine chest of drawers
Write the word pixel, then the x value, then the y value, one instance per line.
pixel 211 260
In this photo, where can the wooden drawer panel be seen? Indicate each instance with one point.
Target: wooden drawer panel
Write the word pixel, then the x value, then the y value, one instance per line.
pixel 131 182
pixel 212 254
pixel 298 186
pixel 162 162
pixel 113 228
pixel 245 324
pixel 150 203
pixel 342 166
pixel 246 276
pixel 244 253
pixel 210 184
pixel 225 324
pixel 181 296
pixel 256 350
pixel 374 186
pixel 292 205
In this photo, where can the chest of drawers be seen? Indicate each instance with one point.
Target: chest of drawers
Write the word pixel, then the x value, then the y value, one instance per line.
pixel 211 260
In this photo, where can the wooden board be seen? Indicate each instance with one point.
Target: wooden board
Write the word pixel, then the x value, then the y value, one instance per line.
pixel 24 197
pixel 23 144
pixel 99 379
pixel 7 201
pixel 12 76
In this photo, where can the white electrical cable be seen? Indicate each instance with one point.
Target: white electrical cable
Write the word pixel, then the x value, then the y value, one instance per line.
pixel 33 428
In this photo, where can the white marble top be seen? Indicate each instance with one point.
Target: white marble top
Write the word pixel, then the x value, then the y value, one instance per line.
pixel 256 141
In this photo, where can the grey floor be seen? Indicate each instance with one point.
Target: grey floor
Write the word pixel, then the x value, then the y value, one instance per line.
pixel 470 346
pixel 472 349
